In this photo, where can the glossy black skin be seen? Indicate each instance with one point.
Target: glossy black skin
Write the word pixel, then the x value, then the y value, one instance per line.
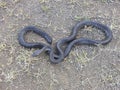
pixel 70 40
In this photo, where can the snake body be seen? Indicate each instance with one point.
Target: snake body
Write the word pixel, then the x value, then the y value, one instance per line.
pixel 37 31
pixel 70 40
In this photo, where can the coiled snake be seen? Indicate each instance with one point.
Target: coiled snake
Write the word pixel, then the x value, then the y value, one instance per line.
pixel 69 41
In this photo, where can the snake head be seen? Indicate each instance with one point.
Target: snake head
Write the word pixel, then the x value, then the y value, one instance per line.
pixel 38 52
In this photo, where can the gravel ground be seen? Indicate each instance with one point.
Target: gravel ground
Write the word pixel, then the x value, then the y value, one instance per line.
pixel 86 68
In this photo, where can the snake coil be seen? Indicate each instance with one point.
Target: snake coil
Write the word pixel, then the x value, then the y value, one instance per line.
pixel 70 40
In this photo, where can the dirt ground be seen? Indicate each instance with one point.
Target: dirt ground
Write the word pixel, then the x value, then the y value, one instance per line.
pixel 86 68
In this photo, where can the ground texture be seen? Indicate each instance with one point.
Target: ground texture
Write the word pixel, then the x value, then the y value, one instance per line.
pixel 86 68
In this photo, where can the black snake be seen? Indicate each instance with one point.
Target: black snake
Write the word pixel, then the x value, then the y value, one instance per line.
pixel 68 41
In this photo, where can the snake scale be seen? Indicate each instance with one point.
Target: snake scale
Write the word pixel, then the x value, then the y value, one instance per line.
pixel 70 41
